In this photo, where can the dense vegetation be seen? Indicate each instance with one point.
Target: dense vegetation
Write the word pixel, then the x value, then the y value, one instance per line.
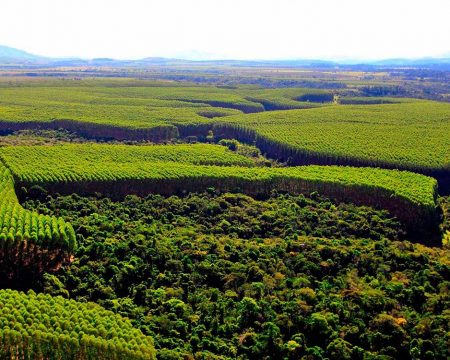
pixel 310 129
pixel 131 105
pixel 29 241
pixel 45 327
pixel 374 135
pixel 41 137
pixel 25 159
pixel 444 203
pixel 238 257
pixel 228 276
pixel 120 170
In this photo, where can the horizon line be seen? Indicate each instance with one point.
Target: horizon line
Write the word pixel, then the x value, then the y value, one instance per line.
pixel 215 57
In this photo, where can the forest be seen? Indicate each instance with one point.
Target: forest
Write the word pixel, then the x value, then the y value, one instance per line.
pixel 224 212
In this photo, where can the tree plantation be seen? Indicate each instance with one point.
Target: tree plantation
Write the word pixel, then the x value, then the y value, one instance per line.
pixel 117 170
pixel 326 133
pixel 41 326
pixel 27 239
pixel 193 211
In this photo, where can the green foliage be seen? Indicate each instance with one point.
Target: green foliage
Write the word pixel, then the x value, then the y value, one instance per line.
pixel 134 105
pixel 232 277
pixel 41 163
pixel 41 326
pixel 444 203
pixel 248 151
pixel 113 169
pixel 409 135
pixel 361 100
pixel 223 276
pixel 27 238
pixel 289 98
pixel 409 196
pixel 98 162
pixel 231 144
pixel 404 133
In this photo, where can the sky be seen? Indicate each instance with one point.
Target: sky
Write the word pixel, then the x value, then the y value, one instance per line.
pixel 228 29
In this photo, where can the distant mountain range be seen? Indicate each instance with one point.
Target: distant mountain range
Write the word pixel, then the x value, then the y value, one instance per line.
pixel 8 54
pixel 14 57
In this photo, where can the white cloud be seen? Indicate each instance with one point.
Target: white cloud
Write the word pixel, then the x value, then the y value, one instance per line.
pixel 240 29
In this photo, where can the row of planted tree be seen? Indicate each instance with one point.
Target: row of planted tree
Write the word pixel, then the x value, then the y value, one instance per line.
pixel 45 327
pixel 40 326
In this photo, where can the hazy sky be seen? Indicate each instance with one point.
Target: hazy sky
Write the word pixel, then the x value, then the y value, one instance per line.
pixel 245 29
